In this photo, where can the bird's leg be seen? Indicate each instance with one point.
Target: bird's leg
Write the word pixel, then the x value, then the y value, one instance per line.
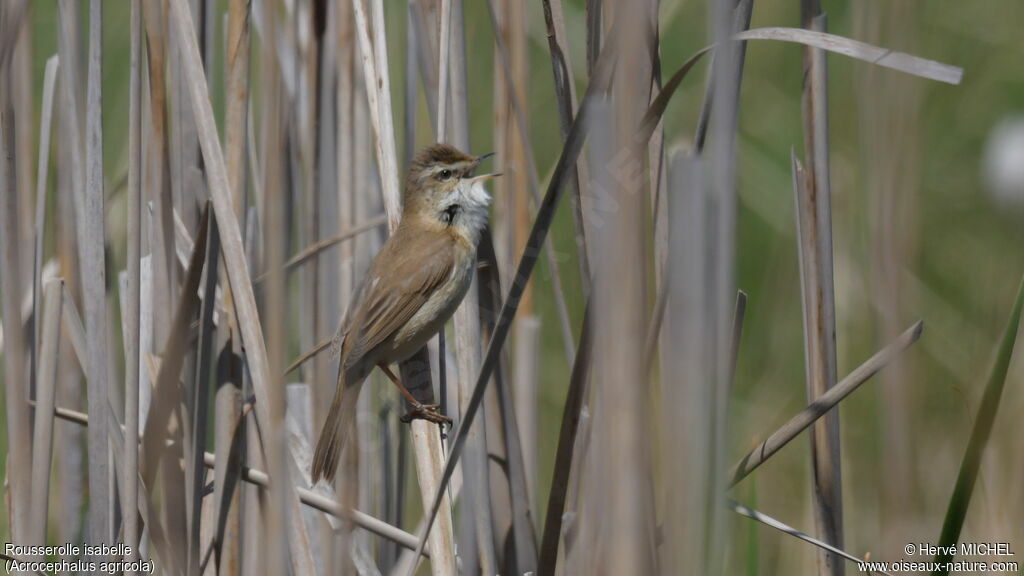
pixel 426 412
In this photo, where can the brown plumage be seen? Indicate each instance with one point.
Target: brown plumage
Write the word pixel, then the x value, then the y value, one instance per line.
pixel 413 286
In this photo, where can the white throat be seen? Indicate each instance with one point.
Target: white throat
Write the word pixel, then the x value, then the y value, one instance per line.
pixel 474 201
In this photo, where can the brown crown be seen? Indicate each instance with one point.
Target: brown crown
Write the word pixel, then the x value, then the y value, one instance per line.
pixel 438 154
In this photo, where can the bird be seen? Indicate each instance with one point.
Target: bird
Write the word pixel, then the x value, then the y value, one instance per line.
pixel 411 289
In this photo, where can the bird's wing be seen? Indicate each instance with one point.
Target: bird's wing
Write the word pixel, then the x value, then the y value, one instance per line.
pixel 393 294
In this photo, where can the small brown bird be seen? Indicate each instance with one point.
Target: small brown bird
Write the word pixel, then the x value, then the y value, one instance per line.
pixel 412 288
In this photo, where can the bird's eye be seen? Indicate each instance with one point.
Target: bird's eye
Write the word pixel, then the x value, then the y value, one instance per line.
pixel 445 174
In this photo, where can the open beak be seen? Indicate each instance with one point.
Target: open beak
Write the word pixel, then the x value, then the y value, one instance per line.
pixel 479 159
pixel 484 177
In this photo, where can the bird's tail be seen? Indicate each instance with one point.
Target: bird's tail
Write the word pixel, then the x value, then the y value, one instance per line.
pixel 336 431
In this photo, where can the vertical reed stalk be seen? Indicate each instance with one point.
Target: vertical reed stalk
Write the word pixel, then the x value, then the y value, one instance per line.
pixel 130 474
pixel 444 45
pixel 228 439
pixel 504 214
pixel 524 382
pixel 509 499
pixel 567 453
pixel 565 92
pixel 274 240
pixel 722 269
pixel 45 400
pixel 467 317
pixel 229 419
pixel 206 350
pixel 48 367
pixel 595 32
pixel 236 92
pixel 687 424
pixel 91 228
pixel 70 439
pixel 23 97
pixel 815 219
pixel 161 234
pixel 623 460
pixel 345 217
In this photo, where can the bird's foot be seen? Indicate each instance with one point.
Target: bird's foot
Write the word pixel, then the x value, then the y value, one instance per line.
pixel 428 412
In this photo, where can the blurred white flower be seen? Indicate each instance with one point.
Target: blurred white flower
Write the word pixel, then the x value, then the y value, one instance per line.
pixel 1003 163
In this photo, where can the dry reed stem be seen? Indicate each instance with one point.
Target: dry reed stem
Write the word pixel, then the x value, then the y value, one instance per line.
pixel 526 378
pixel 129 480
pixel 316 248
pixel 814 227
pixel 236 90
pixel 769 521
pixel 45 130
pixel 75 330
pixel 624 460
pixel 283 526
pixel 68 467
pixel 198 403
pixel 564 456
pixel 186 180
pixel 741 22
pixel 595 32
pixel 687 386
pixel 167 396
pixel 236 96
pixel 424 436
pixel 159 172
pixel 478 526
pixel 229 434
pixel 822 404
pixel 721 268
pixel 11 16
pixel 18 432
pixel 509 492
pixel 24 98
pixel 46 394
pixel 378 93
pixel 228 437
pixel 518 166
pixel 883 57
pixel 444 42
pixel 738 319
pixel 91 229
pixel 565 95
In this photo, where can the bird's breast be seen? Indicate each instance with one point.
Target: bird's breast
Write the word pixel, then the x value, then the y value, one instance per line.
pixel 431 317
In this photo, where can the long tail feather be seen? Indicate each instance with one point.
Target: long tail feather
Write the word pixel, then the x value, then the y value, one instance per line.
pixel 335 433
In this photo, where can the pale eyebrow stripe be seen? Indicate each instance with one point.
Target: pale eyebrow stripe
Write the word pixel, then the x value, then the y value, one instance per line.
pixel 457 167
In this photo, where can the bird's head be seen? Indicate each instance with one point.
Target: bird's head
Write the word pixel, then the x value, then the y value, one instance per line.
pixel 441 186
